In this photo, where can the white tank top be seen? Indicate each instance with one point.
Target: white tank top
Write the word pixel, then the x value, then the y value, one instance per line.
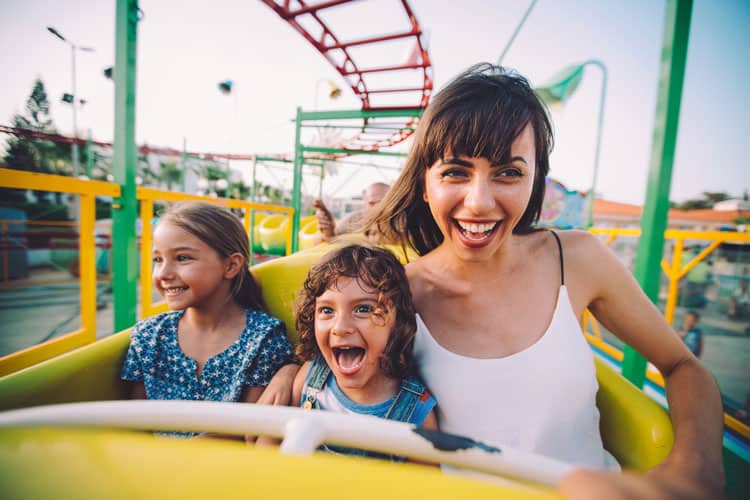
pixel 541 399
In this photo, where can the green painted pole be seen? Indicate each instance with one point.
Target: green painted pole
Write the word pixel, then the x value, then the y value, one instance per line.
pixel 297 185
pixel 656 208
pixel 599 129
pixel 124 209
pixel 89 156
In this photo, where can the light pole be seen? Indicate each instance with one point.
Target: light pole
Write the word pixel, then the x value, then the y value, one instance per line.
pixel 73 48
pixel 559 88
pixel 226 87
pixel 333 91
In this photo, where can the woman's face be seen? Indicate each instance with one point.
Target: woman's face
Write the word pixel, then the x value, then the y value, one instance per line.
pixel 476 202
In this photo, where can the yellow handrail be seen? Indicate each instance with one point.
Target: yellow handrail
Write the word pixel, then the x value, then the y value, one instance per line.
pixel 87 191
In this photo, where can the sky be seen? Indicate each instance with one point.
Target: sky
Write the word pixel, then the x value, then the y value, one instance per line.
pixel 186 47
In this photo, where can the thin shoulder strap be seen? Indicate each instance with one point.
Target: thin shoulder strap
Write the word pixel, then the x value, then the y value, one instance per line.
pixel 562 266
pixel 405 401
pixel 316 380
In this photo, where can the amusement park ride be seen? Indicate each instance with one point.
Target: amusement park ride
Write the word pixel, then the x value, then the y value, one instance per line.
pixel 94 460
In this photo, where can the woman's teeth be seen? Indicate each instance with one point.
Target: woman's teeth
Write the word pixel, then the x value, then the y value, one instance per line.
pixel 476 230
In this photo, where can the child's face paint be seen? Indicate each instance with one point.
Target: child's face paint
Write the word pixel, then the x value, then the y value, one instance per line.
pixel 352 330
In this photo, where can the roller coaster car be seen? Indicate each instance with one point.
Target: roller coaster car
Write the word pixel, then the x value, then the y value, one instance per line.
pixel 41 461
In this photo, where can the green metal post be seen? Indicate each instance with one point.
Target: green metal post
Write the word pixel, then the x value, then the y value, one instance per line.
pixel 89 156
pixel 183 170
pixel 124 245
pixel 297 185
pixel 255 189
pixel 656 208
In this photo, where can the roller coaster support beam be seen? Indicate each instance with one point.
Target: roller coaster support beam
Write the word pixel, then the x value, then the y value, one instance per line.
pixel 655 209
pixel 124 208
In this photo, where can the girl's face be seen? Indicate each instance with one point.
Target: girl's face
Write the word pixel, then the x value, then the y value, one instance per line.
pixel 475 202
pixel 187 272
pixel 352 337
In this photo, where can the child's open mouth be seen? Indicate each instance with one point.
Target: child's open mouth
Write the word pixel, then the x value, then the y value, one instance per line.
pixel 349 359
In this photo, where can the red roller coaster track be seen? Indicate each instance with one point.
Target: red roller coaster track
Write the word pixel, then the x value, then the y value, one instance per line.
pixel 306 19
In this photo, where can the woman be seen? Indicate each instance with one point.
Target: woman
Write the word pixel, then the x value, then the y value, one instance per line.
pixel 500 303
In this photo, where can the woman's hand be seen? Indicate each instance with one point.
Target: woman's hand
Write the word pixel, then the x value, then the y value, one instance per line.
pixel 663 482
pixel 279 390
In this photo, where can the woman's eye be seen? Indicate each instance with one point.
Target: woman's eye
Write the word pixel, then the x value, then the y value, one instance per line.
pixel 156 260
pixel 510 172
pixel 183 258
pixel 325 310
pixel 454 173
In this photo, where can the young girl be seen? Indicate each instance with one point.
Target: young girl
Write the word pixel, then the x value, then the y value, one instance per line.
pixel 217 343
pixel 356 322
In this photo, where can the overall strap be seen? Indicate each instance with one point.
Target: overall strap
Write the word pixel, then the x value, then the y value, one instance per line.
pixel 409 393
pixel 562 267
pixel 316 381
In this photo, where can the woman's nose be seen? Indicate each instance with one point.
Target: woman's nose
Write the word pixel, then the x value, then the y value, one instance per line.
pixel 479 198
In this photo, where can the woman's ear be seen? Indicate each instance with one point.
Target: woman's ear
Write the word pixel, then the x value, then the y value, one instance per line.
pixel 233 265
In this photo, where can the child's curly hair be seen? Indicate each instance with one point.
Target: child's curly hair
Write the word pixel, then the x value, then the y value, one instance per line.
pixel 376 269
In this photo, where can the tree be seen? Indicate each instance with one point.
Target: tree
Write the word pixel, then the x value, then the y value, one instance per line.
pixel 708 201
pixel 35 155
pixel 169 173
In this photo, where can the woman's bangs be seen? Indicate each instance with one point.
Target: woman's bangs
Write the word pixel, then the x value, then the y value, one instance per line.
pixel 475 133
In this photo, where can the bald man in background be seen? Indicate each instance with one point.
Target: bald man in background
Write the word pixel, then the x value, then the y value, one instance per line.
pixel 329 229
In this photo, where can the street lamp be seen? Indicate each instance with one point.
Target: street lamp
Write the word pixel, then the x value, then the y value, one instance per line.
pixel 226 87
pixel 72 99
pixel 559 88
pixel 334 92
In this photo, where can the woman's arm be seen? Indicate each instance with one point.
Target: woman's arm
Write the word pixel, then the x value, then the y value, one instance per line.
pixel 299 382
pixel 609 290
pixel 279 390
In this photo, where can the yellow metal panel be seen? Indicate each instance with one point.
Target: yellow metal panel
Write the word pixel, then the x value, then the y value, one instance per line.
pixel 41 352
pixel 634 428
pixel 74 463
pixel 18 179
pixel 87 265
pixel 147 215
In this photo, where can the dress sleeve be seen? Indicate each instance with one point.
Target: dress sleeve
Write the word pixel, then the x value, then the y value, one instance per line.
pixel 275 351
pixel 132 368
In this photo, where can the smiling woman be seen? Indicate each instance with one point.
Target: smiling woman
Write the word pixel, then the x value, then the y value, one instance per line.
pixel 499 302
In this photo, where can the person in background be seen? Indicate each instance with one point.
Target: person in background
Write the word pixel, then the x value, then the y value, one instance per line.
pixel 691 335
pixel 328 228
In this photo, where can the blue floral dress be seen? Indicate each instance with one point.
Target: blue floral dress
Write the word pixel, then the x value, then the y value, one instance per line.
pixel 155 358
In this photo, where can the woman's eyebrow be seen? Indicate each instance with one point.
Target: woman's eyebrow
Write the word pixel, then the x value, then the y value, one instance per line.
pixel 511 160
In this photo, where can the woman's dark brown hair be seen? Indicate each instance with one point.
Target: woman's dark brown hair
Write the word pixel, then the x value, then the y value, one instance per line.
pixel 375 269
pixel 221 230
pixel 479 114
